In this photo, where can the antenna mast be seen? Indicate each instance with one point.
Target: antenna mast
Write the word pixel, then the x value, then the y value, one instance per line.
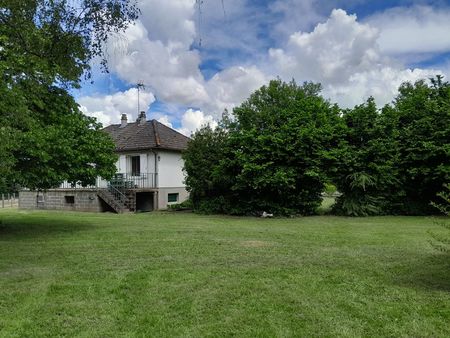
pixel 139 85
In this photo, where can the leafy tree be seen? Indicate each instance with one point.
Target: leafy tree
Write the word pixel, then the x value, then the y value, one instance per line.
pixel 45 48
pixel 421 113
pixel 363 165
pixel 62 144
pixel 54 40
pixel 279 140
pixel 270 157
pixel 209 189
pixel 395 161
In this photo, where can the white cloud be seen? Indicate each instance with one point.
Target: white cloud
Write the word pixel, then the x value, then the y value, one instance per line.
pixel 345 57
pixel 108 108
pixel 171 69
pixel 418 29
pixel 232 86
pixel 382 84
pixel 331 53
pixel 350 58
pixel 165 120
pixel 193 120
pixel 169 21
pixel 160 56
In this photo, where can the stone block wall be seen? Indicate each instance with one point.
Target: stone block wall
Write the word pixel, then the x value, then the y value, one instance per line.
pixel 61 199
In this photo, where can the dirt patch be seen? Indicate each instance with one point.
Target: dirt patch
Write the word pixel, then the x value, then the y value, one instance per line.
pixel 255 244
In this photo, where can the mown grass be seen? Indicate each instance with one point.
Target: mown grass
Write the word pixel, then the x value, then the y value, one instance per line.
pixel 180 274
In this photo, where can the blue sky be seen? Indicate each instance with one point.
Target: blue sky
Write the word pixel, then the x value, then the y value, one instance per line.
pixel 197 63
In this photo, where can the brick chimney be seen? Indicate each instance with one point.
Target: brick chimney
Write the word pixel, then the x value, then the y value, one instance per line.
pixel 123 121
pixel 142 118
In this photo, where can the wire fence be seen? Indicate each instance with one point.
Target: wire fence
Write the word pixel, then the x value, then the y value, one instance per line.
pixel 9 200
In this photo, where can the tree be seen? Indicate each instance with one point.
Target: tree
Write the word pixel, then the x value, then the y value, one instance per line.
pixel 395 160
pixel 206 182
pixel 363 165
pixel 45 48
pixel 269 158
pixel 421 114
pixel 54 40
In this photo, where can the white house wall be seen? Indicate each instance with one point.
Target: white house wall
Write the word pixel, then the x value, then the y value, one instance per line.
pixel 150 162
pixel 169 167
pixel 121 164
pixel 147 161
pixel 170 170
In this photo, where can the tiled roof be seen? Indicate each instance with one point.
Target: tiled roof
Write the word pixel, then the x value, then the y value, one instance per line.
pixel 148 135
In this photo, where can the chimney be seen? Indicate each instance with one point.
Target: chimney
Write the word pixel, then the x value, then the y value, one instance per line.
pixel 123 121
pixel 142 118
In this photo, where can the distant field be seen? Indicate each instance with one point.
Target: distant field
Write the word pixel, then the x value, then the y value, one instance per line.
pixel 180 274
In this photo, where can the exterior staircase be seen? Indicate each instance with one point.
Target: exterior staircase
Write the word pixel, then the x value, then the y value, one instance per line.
pixel 117 200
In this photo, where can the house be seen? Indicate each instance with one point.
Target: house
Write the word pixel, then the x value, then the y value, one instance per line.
pixel 149 174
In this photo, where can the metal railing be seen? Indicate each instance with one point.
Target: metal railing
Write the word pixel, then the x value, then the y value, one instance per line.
pixel 118 195
pixel 130 181
pixel 121 181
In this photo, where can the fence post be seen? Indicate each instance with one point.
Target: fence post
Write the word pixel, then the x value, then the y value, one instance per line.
pixel 3 201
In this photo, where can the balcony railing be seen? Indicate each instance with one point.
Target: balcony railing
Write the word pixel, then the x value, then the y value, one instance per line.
pixel 130 181
pixel 121 181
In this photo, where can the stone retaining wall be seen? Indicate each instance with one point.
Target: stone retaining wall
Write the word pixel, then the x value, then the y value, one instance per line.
pixel 61 199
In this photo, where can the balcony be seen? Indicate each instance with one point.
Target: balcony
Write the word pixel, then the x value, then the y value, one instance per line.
pixel 123 181
pixel 120 181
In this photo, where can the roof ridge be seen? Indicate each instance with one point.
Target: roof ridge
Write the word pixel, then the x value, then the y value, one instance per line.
pixel 155 129
pixel 172 129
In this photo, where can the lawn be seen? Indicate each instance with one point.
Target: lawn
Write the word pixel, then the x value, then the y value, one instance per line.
pixel 181 274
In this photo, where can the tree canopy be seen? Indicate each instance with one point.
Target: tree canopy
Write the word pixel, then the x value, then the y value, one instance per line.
pixel 46 47
pixel 270 156
pixel 285 142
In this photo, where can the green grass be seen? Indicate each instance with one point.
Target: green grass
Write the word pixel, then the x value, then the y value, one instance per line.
pixel 180 274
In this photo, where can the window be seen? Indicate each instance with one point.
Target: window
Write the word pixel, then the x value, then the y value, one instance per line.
pixel 172 198
pixel 135 165
pixel 69 199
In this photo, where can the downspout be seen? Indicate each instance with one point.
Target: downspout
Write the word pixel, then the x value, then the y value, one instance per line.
pixel 158 144
pixel 155 154
pixel 156 167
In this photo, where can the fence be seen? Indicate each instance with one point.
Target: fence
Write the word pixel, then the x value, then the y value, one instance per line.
pixel 9 200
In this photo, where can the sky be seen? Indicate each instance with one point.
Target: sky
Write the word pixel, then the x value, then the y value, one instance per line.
pixel 195 61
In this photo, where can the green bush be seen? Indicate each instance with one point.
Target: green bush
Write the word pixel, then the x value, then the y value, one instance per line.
pixel 186 205
pixel 441 240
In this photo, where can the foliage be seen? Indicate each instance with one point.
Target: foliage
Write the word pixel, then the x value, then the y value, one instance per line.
pixel 67 146
pixel 45 48
pixel 421 115
pixel 186 205
pixel 442 240
pixel 269 157
pixel 202 163
pixel 330 189
pixel 363 165
pixel 54 40
pixel 395 161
